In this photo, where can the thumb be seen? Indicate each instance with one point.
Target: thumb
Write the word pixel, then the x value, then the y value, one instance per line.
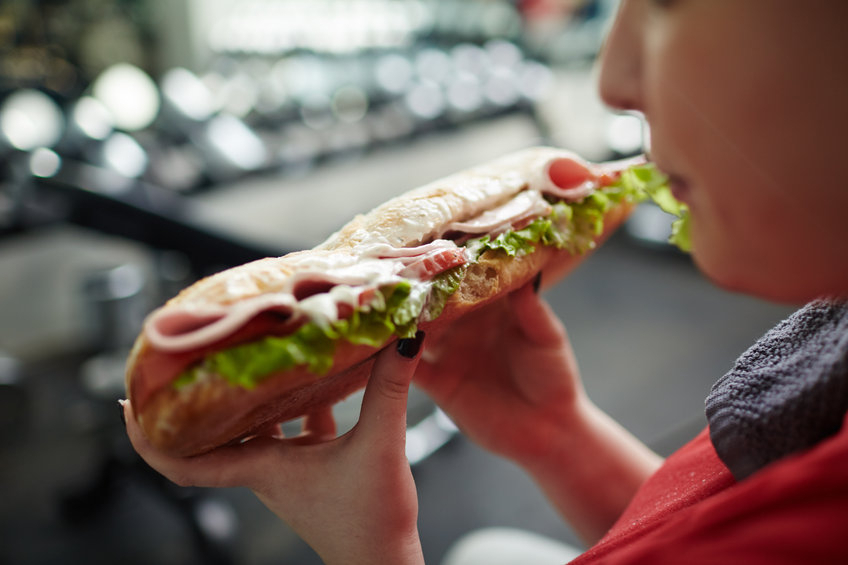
pixel 384 403
pixel 535 318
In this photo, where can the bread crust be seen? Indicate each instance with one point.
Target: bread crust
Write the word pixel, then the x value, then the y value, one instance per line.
pixel 210 412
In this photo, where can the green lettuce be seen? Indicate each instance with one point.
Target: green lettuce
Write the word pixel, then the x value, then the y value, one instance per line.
pixel 443 287
pixel 648 182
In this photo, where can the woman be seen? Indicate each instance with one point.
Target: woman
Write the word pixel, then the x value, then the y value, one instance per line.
pixel 747 106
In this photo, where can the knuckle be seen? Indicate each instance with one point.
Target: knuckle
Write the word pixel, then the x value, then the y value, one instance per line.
pixel 394 389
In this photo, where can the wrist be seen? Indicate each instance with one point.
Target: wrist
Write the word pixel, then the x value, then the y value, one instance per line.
pixel 592 469
pixel 401 551
pixel 563 435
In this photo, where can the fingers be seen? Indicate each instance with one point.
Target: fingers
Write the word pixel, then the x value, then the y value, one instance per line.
pixel 383 417
pixel 236 465
pixel 535 318
pixel 384 403
pixel 318 427
pixel 271 430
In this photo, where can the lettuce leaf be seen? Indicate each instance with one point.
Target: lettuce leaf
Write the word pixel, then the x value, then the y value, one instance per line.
pixel 648 181
pixel 443 287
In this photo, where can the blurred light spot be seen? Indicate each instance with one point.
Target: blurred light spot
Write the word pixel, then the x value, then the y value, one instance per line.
pixel 464 93
pixel 44 162
pixel 426 101
pixel 504 53
pixel 624 133
pixel 350 104
pixel 236 142
pixel 217 519
pixel 188 94
pixel 240 95
pixel 30 119
pixel 393 73
pixel 129 94
pixel 535 80
pixel 92 118
pixel 470 58
pixel 315 111
pixel 124 155
pixel 433 65
pixel 502 88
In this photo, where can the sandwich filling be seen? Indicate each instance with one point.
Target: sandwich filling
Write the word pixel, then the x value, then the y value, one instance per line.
pixel 381 292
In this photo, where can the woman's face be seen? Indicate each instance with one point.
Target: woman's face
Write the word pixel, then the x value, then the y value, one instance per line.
pixel 748 106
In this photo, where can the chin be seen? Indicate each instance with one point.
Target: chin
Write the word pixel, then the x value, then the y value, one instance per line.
pixel 748 277
pixel 779 288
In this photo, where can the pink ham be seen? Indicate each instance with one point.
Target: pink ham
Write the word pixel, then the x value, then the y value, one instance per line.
pixel 183 328
pixel 436 261
pixel 524 206
pixel 566 179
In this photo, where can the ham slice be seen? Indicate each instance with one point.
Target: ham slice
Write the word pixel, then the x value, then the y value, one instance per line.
pixel 565 179
pixel 321 293
pixel 524 206
pixel 437 261
pixel 183 328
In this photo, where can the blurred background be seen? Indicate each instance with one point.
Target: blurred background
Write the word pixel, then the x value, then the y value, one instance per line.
pixel 147 143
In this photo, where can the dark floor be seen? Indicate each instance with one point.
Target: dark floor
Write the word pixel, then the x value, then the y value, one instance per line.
pixel 651 336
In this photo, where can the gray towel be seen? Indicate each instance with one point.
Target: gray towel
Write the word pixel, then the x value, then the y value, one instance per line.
pixel 786 393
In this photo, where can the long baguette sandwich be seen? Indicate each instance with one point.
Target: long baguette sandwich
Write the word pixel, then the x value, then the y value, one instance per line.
pixel 278 338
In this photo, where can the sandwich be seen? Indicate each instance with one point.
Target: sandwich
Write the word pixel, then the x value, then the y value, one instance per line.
pixel 281 337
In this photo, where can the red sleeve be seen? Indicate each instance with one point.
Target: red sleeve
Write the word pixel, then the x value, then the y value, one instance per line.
pixel 794 511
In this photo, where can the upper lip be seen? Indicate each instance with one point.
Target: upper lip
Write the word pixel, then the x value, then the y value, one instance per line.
pixel 672 176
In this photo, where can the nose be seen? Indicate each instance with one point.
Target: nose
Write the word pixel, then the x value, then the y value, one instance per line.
pixel 621 59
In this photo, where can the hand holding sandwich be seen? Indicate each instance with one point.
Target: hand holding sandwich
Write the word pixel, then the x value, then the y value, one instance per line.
pixel 507 376
pixel 332 491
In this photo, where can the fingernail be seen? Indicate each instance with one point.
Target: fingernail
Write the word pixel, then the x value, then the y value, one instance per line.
pixel 537 282
pixel 409 347
pixel 121 407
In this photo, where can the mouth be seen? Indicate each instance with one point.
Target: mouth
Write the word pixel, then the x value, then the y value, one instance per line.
pixel 679 187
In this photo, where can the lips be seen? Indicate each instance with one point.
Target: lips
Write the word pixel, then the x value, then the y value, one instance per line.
pixel 679 187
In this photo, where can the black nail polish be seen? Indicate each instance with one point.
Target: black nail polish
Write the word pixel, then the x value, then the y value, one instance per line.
pixel 409 347
pixel 537 282
pixel 123 416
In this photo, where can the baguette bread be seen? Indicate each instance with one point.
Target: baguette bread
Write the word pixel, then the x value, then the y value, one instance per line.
pixel 185 407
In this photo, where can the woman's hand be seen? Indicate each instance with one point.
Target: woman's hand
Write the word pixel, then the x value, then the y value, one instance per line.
pixel 352 498
pixel 508 378
pixel 505 374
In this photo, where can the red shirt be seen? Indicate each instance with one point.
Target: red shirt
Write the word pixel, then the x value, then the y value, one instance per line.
pixel 692 511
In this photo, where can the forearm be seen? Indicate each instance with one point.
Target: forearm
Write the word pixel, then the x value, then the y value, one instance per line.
pixel 592 470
